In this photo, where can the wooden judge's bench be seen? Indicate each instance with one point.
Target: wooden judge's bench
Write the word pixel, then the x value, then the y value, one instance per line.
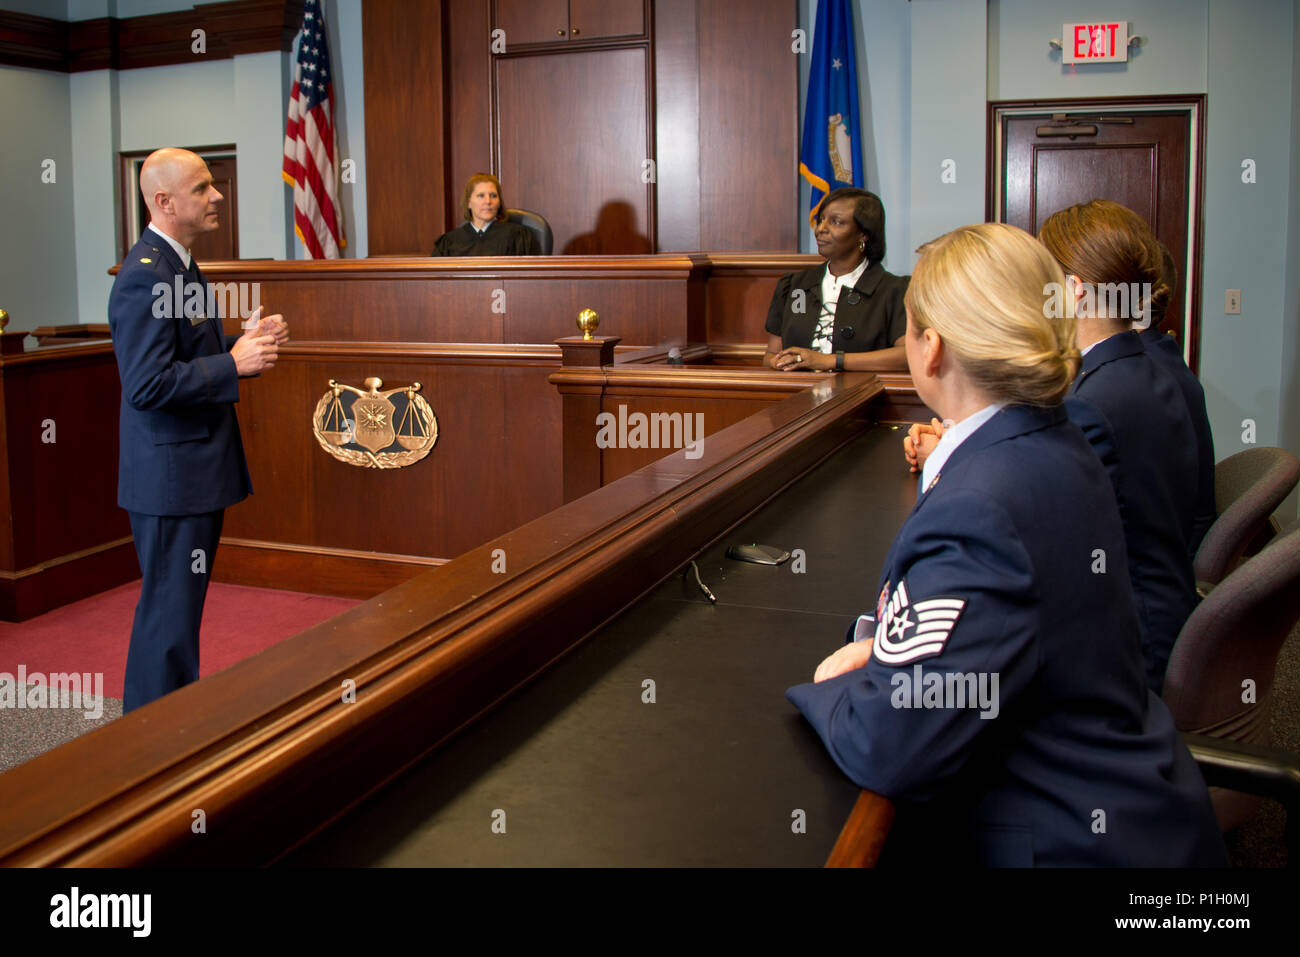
pixel 515 539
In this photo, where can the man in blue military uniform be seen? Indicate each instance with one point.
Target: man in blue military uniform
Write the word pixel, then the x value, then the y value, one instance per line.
pixel 182 461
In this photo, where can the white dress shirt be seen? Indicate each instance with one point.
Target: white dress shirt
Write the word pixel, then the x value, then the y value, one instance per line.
pixel 180 250
pixel 831 286
pixel 949 441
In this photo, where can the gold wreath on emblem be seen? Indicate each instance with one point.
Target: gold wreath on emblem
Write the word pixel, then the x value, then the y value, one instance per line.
pixel 364 427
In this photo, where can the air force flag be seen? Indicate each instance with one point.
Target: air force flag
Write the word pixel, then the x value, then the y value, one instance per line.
pixel 828 158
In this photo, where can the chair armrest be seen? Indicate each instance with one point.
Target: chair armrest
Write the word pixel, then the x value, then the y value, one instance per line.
pixel 863 836
pixel 1267 772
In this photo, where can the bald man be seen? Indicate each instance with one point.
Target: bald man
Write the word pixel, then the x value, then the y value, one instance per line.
pixel 182 460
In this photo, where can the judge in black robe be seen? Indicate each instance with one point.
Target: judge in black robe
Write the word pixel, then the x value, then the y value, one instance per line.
pixel 499 239
pixel 486 231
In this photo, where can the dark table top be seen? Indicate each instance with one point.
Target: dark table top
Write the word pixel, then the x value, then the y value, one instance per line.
pixel 716 769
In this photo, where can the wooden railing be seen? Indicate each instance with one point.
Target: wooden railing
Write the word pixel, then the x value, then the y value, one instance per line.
pixel 268 751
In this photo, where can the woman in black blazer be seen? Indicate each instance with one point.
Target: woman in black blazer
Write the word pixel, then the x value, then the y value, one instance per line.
pixel 847 314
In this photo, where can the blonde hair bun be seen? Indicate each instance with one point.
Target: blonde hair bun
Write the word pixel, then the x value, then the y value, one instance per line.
pixel 996 297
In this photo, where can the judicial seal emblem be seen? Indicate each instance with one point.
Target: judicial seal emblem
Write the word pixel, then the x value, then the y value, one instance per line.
pixel 372 429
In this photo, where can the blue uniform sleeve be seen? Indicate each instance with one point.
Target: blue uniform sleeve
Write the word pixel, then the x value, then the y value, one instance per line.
pixel 955 647
pixel 147 349
pixel 1097 430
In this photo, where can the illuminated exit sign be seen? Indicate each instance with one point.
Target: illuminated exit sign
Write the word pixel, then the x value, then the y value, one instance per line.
pixel 1095 42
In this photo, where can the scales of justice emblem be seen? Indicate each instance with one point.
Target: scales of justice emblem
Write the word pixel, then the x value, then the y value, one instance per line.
pixel 373 429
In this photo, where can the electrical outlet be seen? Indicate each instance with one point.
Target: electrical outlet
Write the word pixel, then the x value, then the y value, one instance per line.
pixel 1232 302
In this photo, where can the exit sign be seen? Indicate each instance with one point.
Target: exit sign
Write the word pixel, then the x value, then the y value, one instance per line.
pixel 1095 42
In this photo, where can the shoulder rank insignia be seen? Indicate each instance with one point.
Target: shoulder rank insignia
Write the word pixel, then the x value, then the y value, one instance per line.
pixel 145 259
pixel 910 630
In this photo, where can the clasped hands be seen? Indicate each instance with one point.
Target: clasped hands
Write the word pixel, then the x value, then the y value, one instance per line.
pixel 795 359
pixel 920 442
pixel 257 349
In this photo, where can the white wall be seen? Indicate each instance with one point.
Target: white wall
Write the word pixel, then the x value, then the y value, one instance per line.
pixel 88 118
pixel 38 254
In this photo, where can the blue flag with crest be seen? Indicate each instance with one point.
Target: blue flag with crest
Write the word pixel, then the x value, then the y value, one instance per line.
pixel 829 154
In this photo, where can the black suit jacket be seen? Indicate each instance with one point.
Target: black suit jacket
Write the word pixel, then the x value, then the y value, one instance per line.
pixel 868 317
pixel 181 452
pixel 1133 414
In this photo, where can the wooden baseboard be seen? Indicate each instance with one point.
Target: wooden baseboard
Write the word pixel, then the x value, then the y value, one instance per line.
pixel 345 573
pixel 34 591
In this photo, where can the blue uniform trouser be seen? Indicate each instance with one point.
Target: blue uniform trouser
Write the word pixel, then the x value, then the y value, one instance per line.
pixel 176 553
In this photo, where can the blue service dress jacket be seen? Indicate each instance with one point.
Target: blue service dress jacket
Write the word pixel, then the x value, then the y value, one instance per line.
pixel 1167 353
pixel 1132 412
pixel 181 452
pixel 1004 709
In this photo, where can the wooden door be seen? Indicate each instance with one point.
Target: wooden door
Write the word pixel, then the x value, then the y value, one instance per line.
pixel 1073 152
pixel 222 243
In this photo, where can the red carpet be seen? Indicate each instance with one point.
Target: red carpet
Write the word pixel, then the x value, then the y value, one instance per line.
pixel 92 635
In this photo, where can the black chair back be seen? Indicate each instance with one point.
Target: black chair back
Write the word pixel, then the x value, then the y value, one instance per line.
pixel 536 224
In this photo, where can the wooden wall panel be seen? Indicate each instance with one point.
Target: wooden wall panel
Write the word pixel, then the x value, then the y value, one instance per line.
pixel 740 291
pixel 469 101
pixel 749 138
pixel 405 173
pixel 62 532
pixel 721 124
pixel 652 299
pixel 677 124
pixel 490 471
pixel 573 144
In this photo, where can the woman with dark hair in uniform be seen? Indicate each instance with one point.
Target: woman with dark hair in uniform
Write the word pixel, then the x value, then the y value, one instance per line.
pixel 1131 409
pixel 1165 350
pixel 996 692
pixel 847 314
pixel 486 231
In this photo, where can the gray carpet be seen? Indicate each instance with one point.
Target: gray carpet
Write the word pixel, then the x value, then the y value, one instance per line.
pixel 25 733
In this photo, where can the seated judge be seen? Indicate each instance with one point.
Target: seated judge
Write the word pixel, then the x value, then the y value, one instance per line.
pixel 486 231
pixel 1048 749
pixel 847 314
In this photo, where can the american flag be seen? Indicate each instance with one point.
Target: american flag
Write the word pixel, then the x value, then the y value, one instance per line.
pixel 310 144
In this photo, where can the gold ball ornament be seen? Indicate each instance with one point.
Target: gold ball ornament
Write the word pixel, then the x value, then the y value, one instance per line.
pixel 588 320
